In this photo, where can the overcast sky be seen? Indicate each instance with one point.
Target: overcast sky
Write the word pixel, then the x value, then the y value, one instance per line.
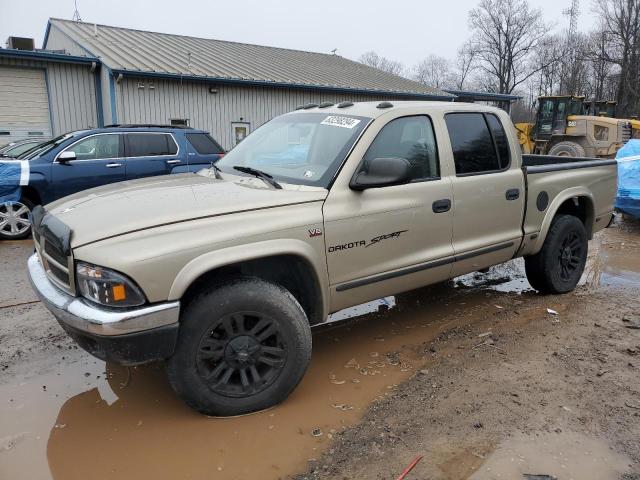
pixel 404 30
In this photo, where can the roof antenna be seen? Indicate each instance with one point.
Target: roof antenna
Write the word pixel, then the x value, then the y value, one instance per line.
pixel 334 51
pixel 76 13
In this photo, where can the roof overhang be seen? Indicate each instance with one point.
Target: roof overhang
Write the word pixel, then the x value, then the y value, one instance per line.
pixel 268 84
pixel 47 56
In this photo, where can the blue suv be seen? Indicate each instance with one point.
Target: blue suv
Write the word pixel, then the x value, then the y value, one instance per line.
pixel 88 158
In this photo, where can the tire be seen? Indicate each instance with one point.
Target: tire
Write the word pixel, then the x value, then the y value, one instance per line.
pixel 246 325
pixel 15 222
pixel 558 266
pixel 567 149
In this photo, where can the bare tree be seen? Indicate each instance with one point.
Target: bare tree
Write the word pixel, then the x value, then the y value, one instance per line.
pixel 465 64
pixel 434 71
pixel 374 60
pixel 621 22
pixel 505 34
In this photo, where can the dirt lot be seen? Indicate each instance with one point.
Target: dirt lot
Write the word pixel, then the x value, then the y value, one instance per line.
pixel 476 376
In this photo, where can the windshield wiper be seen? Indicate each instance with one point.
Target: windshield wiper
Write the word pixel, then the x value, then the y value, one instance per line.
pixel 260 174
pixel 216 171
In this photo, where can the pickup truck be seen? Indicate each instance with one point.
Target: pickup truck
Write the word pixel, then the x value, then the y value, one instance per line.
pixel 222 273
pixel 85 159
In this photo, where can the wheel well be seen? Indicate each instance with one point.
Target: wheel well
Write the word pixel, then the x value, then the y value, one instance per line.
pixel 290 271
pixel 580 207
pixel 32 194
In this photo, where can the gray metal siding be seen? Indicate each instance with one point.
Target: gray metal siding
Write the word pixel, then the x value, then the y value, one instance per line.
pixel 213 112
pixel 71 93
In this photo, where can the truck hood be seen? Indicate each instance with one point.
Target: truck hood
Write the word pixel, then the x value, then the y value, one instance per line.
pixel 129 206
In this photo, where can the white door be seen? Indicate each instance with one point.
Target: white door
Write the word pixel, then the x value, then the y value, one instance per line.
pixel 24 104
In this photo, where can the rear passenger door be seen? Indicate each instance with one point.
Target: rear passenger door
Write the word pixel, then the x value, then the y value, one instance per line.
pixel 202 151
pixel 488 192
pixel 150 154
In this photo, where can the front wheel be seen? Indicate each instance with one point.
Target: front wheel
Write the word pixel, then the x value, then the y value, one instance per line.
pixel 558 266
pixel 15 219
pixel 242 347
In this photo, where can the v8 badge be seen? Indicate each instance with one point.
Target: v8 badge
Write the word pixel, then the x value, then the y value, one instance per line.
pixel 315 232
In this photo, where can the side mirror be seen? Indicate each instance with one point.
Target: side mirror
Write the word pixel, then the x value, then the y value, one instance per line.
pixel 64 157
pixel 382 172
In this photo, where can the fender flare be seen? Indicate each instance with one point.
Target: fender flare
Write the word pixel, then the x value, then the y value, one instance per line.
pixel 268 248
pixel 552 210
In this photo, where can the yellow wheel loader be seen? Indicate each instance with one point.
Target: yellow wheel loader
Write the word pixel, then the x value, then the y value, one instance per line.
pixel 562 128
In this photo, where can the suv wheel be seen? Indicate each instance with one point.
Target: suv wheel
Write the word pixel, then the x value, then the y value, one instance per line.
pixel 15 219
pixel 557 268
pixel 242 347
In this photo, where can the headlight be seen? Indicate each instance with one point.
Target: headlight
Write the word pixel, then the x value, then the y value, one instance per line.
pixel 107 287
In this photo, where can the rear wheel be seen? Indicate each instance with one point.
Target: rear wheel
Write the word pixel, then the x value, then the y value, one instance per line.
pixel 558 266
pixel 15 219
pixel 567 149
pixel 243 346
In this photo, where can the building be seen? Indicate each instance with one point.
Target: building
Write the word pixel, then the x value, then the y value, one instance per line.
pixel 227 88
pixel 44 94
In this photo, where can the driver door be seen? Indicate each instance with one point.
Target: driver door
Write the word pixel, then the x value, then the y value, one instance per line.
pixel 96 160
pixel 387 240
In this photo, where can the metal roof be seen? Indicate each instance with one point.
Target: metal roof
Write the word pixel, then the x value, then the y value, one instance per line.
pixel 127 50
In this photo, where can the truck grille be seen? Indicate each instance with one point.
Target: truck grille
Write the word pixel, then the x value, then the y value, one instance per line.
pixel 59 267
pixel 626 131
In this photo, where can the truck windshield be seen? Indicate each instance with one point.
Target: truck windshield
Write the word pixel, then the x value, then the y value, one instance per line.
pixel 301 147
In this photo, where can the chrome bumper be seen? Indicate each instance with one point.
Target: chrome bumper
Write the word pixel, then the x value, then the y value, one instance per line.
pixel 85 317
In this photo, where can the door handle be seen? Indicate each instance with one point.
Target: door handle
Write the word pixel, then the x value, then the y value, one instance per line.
pixel 113 165
pixel 512 194
pixel 173 162
pixel 441 206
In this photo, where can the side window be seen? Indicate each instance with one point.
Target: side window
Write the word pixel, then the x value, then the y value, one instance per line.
pixel 411 138
pixel 500 137
pixel 150 144
pixel 204 144
pixel 97 147
pixel 472 144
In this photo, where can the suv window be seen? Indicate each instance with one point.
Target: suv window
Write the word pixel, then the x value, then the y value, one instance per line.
pixel 472 144
pixel 150 144
pixel 97 147
pixel 204 144
pixel 411 138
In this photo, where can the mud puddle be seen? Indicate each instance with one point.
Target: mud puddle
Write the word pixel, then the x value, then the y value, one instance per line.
pixel 614 261
pixel 92 420
pixel 567 456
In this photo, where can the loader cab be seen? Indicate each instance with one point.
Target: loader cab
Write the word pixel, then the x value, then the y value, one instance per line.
pixel 551 118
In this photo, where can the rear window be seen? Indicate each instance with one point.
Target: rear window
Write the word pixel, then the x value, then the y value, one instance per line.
pixel 204 144
pixel 150 144
pixel 473 148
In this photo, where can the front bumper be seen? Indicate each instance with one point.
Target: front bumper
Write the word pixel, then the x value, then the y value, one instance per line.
pixel 129 337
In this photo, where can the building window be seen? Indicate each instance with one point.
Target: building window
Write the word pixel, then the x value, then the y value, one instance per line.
pixel 239 131
pixel 179 122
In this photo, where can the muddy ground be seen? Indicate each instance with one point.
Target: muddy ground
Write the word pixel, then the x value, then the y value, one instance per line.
pixel 476 376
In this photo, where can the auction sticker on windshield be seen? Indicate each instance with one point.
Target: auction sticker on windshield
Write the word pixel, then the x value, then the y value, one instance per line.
pixel 344 122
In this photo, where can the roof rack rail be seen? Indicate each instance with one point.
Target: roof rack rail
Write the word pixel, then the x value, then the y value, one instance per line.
pixel 146 125
pixel 326 105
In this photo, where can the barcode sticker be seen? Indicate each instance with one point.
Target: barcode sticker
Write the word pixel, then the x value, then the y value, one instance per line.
pixel 344 122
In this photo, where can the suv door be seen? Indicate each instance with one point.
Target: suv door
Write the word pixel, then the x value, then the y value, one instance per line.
pixel 488 192
pixel 387 240
pixel 150 154
pixel 98 160
pixel 202 150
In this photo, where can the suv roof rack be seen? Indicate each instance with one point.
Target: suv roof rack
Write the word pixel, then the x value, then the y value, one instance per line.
pixel 146 125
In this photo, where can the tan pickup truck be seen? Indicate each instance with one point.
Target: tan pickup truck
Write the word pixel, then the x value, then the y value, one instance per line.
pixel 224 272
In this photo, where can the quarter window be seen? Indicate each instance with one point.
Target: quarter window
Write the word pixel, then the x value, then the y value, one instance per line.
pixel 150 144
pixel 97 147
pixel 473 148
pixel 500 137
pixel 411 138
pixel 204 144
